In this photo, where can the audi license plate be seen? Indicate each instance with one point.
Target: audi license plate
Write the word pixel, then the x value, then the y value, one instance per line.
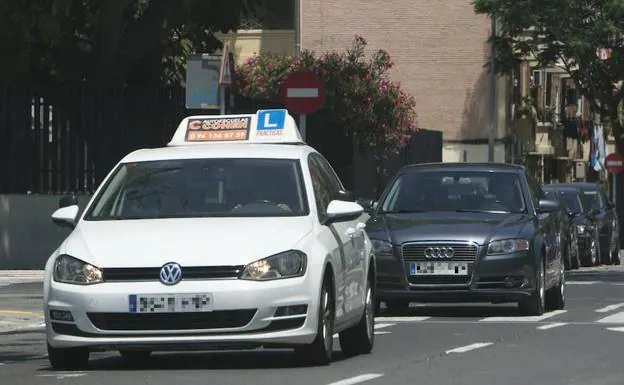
pixel 438 268
pixel 170 303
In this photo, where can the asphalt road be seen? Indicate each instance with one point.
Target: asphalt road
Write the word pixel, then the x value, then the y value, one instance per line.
pixel 434 345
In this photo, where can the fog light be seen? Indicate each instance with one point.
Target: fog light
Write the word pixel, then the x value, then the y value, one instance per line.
pixel 291 310
pixel 61 315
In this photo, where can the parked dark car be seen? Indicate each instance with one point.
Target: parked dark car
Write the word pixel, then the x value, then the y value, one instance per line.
pixel 466 232
pixel 606 220
pixel 578 226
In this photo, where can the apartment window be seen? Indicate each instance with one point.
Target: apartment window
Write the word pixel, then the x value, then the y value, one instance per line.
pixel 269 15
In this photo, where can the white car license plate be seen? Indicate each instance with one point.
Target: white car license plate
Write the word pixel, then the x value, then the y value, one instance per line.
pixel 169 303
pixel 438 268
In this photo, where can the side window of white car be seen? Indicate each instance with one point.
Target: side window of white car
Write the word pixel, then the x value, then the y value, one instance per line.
pixel 322 191
pixel 329 173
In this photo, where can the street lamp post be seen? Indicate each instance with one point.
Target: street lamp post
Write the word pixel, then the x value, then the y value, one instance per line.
pixel 493 114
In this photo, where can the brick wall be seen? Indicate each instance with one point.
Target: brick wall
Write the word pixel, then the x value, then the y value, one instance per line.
pixel 439 48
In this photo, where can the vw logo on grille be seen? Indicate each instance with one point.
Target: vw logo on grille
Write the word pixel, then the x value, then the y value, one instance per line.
pixel 443 252
pixel 171 273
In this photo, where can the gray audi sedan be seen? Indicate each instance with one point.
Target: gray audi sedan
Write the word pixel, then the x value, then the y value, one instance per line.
pixel 462 232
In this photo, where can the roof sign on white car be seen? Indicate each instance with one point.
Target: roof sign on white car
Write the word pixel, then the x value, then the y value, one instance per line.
pixel 265 126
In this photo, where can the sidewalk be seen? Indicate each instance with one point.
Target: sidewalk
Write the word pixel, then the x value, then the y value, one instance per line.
pixel 20 307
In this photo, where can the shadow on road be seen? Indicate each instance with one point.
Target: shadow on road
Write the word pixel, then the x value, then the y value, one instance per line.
pixel 231 360
pixel 457 311
pixel 595 275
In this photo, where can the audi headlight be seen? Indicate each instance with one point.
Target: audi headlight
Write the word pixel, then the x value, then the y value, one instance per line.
pixel 581 229
pixel 288 264
pixel 68 269
pixel 506 246
pixel 382 247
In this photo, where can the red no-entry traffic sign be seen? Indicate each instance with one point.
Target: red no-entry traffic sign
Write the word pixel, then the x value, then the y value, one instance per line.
pixel 614 163
pixel 303 92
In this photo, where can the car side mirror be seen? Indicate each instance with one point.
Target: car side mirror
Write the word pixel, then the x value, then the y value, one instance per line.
pixel 345 195
pixel 548 206
pixel 68 200
pixel 369 205
pixel 339 211
pixel 66 216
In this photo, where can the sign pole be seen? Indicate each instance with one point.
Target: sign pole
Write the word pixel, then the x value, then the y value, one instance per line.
pixel 302 126
pixel 222 99
pixel 615 183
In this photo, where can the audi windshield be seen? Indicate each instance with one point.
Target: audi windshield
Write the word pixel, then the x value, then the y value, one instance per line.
pixel 454 191
pixel 187 188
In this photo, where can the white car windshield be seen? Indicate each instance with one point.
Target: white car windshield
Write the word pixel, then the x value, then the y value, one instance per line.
pixel 188 188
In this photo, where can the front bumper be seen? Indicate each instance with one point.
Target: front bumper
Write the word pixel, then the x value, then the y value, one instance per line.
pixel 491 279
pixel 245 314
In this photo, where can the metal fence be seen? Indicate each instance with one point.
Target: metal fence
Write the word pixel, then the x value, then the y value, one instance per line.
pixel 64 139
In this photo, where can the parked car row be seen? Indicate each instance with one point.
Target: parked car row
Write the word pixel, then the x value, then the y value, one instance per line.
pixel 588 227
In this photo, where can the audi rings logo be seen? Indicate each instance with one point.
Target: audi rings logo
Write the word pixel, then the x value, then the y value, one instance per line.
pixel 170 274
pixel 443 252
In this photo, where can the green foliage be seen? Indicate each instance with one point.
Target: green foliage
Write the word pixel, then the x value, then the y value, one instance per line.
pixel 111 41
pixel 360 97
pixel 568 32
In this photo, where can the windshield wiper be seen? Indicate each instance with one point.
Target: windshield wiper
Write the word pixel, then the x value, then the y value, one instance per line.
pixel 403 211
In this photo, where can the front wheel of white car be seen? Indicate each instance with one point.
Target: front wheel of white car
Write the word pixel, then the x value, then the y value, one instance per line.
pixel 360 338
pixel 320 351
pixel 68 358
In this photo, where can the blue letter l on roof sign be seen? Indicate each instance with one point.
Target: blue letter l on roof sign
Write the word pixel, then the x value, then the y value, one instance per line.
pixel 271 120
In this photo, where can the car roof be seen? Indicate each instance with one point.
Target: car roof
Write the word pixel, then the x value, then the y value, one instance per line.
pixel 559 187
pixel 218 150
pixel 464 166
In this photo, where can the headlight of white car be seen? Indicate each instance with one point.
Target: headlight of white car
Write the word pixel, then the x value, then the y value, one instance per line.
pixel 288 264
pixel 382 247
pixel 506 246
pixel 68 269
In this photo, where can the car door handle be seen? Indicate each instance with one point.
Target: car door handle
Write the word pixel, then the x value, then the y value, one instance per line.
pixel 351 232
pixel 360 226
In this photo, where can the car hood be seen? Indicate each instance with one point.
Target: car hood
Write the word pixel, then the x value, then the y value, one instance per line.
pixel 187 241
pixel 446 226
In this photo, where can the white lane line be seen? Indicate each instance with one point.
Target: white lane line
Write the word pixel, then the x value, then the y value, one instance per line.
pixel 401 319
pixel 523 319
pixel 2 363
pixel 381 326
pixel 581 282
pixel 609 308
pixel 357 379
pixel 552 325
pixel 382 332
pixel 467 348
pixel 617 318
pixel 61 376
pixel 616 329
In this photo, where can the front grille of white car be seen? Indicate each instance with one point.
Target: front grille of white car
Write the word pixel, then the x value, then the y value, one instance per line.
pixel 220 319
pixel 130 274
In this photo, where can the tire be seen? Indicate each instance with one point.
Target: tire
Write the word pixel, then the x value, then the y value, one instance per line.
pixel 615 254
pixel 535 304
pixel 555 296
pixel 598 252
pixel 68 358
pixel 320 351
pixel 397 306
pixel 135 356
pixel 567 259
pixel 590 260
pixel 360 338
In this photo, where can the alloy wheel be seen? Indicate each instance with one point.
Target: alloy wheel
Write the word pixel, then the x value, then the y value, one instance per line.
pixel 370 314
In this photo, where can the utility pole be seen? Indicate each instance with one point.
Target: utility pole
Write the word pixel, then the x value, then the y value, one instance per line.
pixel 493 110
pixel 297 16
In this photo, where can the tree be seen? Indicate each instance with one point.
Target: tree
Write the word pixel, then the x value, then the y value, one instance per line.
pixel 112 41
pixel 360 97
pixel 567 32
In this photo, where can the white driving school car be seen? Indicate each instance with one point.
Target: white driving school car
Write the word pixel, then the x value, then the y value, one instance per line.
pixel 235 235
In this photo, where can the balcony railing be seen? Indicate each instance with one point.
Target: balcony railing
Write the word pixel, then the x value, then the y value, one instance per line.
pixel 267 24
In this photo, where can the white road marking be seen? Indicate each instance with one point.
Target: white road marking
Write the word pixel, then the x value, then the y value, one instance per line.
pixel 401 319
pixel 382 332
pixel 357 379
pixel 61 376
pixel 524 319
pixel 609 308
pixel 467 348
pixel 2 364
pixel 581 282
pixel 620 329
pixel 617 318
pixel 381 326
pixel 552 325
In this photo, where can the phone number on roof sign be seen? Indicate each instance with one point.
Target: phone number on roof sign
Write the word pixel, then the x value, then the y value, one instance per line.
pixel 219 124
